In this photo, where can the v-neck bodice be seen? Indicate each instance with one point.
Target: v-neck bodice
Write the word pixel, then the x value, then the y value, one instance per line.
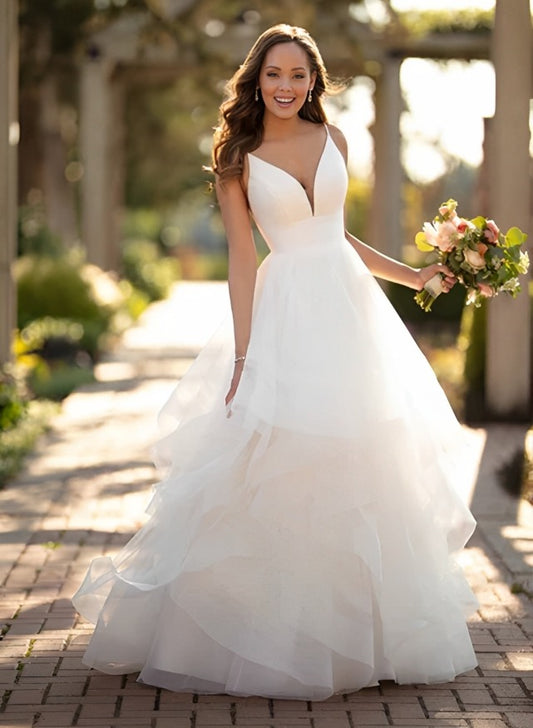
pixel 279 202
pixel 311 193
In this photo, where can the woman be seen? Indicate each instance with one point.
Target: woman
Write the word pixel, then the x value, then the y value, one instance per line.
pixel 302 540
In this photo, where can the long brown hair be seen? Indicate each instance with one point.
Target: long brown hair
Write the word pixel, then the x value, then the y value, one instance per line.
pixel 240 125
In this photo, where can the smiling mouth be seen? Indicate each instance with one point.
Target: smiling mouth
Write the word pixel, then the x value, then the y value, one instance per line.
pixel 284 102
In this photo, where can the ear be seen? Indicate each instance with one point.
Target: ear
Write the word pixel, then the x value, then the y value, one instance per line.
pixel 313 79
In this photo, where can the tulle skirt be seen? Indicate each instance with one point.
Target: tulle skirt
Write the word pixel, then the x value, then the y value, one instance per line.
pixel 302 541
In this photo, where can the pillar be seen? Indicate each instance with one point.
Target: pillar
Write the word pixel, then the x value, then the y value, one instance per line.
pixel 508 364
pixel 386 213
pixel 9 134
pixel 98 120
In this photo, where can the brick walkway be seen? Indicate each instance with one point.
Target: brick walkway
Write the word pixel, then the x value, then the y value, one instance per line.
pixel 83 494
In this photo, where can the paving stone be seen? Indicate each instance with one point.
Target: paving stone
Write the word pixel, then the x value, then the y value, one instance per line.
pixel 520 720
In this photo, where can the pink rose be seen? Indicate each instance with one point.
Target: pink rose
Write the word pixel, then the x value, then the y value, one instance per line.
pixel 491 232
pixel 485 289
pixel 464 225
pixel 440 235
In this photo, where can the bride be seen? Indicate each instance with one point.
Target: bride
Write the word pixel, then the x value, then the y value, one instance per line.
pixel 301 541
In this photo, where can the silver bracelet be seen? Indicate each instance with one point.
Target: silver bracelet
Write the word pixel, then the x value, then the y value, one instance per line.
pixel 239 358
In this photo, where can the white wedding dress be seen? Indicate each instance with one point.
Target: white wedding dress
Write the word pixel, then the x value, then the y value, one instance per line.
pixel 303 545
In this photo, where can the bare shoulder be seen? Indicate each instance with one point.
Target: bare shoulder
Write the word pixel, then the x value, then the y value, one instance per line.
pixel 339 139
pixel 230 191
pixel 234 210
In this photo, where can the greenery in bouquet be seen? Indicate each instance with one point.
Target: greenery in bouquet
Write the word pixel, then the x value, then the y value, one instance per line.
pixel 482 258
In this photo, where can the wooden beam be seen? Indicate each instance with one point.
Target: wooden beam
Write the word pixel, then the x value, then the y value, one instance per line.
pixel 8 169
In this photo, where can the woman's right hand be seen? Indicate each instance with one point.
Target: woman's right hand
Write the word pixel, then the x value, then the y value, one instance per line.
pixel 237 372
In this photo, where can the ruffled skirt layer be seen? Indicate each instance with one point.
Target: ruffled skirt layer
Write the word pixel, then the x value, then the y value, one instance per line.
pixel 303 542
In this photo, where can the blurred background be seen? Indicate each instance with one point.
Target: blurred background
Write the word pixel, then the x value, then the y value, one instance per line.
pixel 110 130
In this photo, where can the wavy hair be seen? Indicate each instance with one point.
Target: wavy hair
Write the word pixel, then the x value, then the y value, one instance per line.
pixel 240 123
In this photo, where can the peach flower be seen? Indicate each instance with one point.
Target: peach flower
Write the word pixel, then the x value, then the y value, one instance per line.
pixel 474 259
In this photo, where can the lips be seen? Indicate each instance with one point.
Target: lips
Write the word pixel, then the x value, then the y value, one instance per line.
pixel 284 101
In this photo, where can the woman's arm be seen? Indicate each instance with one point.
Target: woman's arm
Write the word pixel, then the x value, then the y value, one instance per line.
pixel 381 265
pixel 392 270
pixel 242 268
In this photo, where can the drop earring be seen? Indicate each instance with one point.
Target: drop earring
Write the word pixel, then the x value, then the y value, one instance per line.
pixel 310 95
pixel 256 95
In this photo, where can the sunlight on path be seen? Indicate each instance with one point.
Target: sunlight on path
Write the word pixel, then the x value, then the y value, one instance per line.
pixel 185 320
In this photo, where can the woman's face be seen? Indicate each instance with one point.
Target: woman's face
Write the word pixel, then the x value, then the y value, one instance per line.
pixel 285 79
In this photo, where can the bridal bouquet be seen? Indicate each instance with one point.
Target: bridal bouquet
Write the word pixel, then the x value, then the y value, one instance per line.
pixel 483 259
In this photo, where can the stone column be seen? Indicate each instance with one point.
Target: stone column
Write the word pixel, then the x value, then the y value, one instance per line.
pixel 385 231
pixel 9 134
pixel 508 364
pixel 97 122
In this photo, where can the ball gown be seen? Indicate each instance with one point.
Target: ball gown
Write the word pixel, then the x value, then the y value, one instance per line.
pixel 302 542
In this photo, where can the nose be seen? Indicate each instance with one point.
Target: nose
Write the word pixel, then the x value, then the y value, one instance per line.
pixel 285 82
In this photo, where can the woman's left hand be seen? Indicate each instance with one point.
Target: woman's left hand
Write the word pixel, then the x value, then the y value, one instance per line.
pixel 448 280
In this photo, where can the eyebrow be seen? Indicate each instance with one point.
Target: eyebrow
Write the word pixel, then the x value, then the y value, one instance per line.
pixel 297 68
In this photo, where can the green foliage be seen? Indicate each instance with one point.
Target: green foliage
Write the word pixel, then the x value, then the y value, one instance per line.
pixel 142 223
pixel 135 301
pixel 18 441
pixel 61 288
pixel 60 338
pixel 467 20
pixel 357 206
pixel 56 381
pixel 472 340
pixel 21 422
pixel 12 404
pixel 175 118
pixel 34 236
pixel 147 270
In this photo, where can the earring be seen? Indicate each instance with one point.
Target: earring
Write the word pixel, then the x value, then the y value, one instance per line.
pixel 256 95
pixel 310 95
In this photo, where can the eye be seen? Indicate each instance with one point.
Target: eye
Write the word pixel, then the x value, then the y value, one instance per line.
pixel 299 76
pixel 271 74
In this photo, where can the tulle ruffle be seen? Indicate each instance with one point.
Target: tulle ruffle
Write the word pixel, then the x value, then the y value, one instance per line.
pixel 302 543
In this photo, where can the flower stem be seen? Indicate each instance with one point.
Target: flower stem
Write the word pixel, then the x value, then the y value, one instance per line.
pixel 425 300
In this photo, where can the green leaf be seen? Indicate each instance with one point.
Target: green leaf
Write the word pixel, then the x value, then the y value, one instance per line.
pixel 514 236
pixel 421 242
pixel 479 222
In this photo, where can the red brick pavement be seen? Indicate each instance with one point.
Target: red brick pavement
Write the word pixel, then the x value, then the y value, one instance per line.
pixel 83 494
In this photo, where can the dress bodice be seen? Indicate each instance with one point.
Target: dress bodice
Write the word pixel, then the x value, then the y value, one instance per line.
pixel 283 211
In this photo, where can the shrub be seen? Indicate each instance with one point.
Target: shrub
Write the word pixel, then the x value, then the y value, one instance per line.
pixel 19 440
pixel 21 422
pixel 63 288
pixel 135 301
pixel 50 338
pixel 33 234
pixel 56 381
pixel 12 404
pixel 147 270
